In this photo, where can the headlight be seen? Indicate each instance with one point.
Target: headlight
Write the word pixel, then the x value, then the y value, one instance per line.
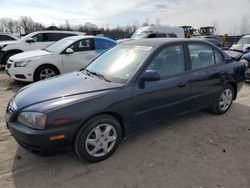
pixel 32 119
pixel 22 63
pixel 245 62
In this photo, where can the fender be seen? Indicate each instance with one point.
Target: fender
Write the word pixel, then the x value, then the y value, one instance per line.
pixel 6 53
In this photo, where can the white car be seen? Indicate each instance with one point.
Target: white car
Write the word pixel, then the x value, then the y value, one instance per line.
pixel 7 37
pixel 32 41
pixel 242 44
pixel 67 55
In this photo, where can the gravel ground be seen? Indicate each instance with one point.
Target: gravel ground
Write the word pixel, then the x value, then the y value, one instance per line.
pixel 197 150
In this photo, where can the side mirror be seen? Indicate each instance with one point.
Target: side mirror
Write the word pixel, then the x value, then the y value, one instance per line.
pixel 150 75
pixel 69 51
pixel 31 40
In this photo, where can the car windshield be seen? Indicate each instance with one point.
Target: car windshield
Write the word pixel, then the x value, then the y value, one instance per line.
pixel 139 35
pixel 60 45
pixel 244 40
pixel 119 63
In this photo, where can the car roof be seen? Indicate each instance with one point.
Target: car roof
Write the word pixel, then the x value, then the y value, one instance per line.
pixel 155 42
pixel 60 31
pixel 10 34
pixel 91 36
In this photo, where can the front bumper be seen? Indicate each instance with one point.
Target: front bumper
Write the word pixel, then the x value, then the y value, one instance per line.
pixel 19 73
pixel 38 141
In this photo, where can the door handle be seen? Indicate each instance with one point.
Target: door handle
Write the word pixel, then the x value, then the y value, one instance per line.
pixel 183 84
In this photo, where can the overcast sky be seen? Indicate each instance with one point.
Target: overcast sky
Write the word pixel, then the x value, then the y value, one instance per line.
pixel 226 14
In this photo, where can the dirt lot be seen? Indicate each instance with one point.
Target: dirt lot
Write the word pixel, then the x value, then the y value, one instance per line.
pixel 198 150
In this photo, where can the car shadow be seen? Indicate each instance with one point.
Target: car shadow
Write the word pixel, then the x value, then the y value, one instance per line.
pixel 174 150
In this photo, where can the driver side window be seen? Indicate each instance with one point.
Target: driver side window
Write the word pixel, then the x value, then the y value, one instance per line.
pixel 169 61
pixel 42 37
pixel 82 45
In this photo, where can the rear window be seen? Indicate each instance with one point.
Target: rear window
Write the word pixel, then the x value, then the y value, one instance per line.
pixel 5 37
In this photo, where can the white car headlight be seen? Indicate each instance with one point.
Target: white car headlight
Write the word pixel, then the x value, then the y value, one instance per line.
pixel 34 120
pixel 22 63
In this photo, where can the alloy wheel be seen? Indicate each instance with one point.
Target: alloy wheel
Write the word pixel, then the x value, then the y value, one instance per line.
pixel 47 73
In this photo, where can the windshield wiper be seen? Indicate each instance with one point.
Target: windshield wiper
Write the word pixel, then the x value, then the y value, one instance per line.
pixel 97 74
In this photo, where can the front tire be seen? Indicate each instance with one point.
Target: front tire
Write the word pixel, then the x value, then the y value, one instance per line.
pixel 44 72
pixel 98 138
pixel 223 100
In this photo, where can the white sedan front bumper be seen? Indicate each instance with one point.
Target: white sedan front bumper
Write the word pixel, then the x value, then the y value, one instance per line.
pixel 24 74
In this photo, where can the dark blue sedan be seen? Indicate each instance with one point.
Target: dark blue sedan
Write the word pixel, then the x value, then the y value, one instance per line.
pixel 133 85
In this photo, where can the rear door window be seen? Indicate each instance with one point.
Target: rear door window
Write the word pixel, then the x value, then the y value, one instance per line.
pixel 203 56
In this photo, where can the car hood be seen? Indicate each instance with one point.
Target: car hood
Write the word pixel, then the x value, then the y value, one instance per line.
pixel 64 86
pixel 240 47
pixel 29 55
pixel 236 55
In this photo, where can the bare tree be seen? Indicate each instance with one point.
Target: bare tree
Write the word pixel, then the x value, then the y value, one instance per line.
pixel 146 22
pixel 243 27
pixel 157 21
pixel 215 25
pixel 67 25
pixel 28 25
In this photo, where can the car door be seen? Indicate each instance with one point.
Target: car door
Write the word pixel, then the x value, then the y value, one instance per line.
pixel 207 67
pixel 83 54
pixel 168 96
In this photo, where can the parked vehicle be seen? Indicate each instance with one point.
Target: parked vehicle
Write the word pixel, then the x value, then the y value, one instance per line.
pixel 134 84
pixel 32 41
pixel 67 55
pixel 246 59
pixel 156 32
pixel 242 44
pixel 8 37
pixel 214 42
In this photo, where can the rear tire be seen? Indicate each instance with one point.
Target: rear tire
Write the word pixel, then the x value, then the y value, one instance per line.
pixel 44 72
pixel 223 100
pixel 98 138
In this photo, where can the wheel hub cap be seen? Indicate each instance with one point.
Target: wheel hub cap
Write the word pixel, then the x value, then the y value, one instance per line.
pixel 226 99
pixel 47 73
pixel 101 140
